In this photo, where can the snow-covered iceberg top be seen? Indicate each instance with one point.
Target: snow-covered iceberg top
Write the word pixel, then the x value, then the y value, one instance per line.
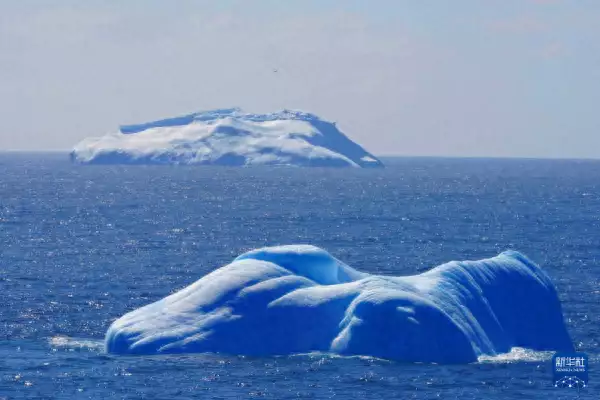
pixel 228 137
pixel 299 299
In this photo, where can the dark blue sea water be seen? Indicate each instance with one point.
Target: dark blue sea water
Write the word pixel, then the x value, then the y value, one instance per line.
pixel 82 245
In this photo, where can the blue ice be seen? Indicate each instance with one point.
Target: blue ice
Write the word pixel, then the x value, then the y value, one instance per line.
pixel 298 299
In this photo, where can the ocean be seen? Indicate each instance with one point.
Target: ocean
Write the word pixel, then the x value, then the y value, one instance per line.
pixel 82 245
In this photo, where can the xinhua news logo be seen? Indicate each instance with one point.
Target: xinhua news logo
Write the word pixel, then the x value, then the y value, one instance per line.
pixel 570 370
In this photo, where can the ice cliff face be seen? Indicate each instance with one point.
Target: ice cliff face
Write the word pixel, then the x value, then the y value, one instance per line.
pixel 298 299
pixel 228 137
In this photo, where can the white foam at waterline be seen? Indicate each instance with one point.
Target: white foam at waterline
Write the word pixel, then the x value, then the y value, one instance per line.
pixel 66 342
pixel 320 355
pixel 516 354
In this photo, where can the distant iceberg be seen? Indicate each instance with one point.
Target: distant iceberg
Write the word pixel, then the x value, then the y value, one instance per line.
pixel 299 299
pixel 228 137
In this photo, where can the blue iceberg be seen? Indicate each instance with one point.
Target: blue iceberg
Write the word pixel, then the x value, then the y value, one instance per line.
pixel 298 299
pixel 228 137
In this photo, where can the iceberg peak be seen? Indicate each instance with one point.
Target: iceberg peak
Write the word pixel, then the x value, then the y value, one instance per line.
pixel 228 136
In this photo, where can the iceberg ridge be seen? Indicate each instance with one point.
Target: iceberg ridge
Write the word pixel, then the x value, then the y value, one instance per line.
pixel 298 299
pixel 228 137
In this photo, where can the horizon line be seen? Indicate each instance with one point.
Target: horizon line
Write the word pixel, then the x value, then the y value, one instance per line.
pixel 383 156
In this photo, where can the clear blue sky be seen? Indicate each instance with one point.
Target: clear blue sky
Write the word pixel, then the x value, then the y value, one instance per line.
pixel 419 77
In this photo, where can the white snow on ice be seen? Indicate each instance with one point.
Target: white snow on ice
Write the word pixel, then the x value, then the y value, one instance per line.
pixel 228 137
